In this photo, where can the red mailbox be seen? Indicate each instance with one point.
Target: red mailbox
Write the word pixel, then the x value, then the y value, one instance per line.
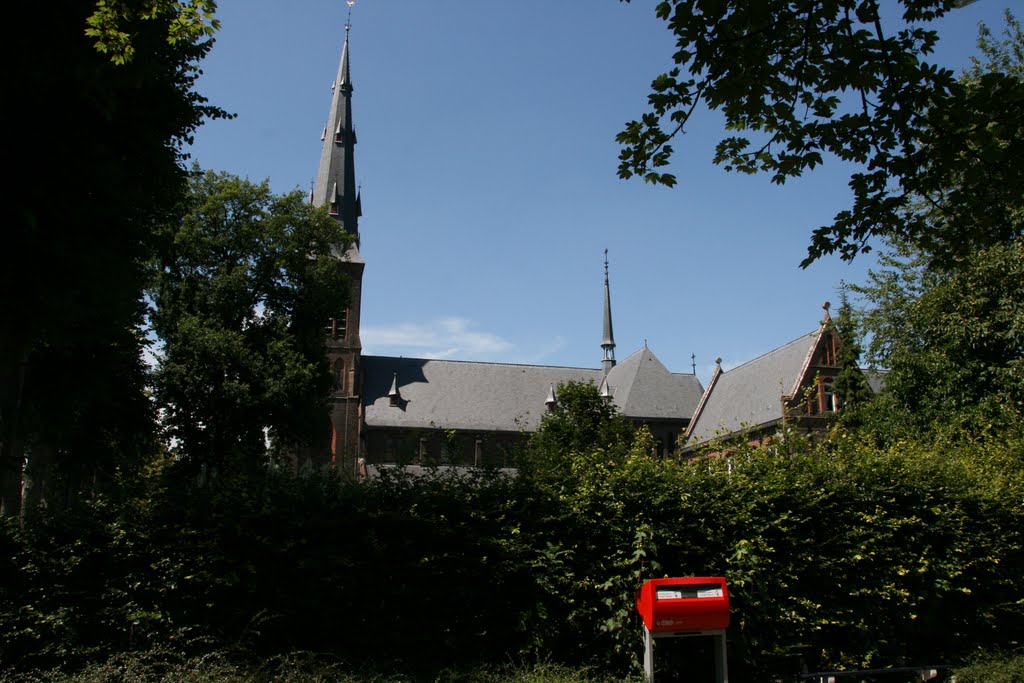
pixel 691 603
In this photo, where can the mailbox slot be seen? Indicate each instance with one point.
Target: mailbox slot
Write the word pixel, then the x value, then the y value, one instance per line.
pixel 697 590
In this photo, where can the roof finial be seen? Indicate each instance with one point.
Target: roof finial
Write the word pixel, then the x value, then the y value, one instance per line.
pixel 693 362
pixel 827 317
pixel 348 20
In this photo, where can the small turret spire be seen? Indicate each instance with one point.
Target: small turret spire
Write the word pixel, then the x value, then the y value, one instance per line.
pixel 552 400
pixel 608 338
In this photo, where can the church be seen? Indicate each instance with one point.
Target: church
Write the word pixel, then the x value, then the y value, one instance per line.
pixel 387 409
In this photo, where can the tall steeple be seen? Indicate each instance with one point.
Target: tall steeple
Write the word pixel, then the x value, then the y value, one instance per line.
pixel 608 339
pixel 336 178
pixel 336 189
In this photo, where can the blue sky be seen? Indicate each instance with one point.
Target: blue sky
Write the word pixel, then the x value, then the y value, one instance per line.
pixel 488 163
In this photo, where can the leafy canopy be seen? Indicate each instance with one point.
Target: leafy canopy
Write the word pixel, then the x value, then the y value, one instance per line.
pixel 110 24
pixel 799 81
pixel 240 297
pixel 110 136
pixel 953 342
pixel 581 424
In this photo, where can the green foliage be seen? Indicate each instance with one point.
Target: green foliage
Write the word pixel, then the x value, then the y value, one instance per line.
pixel 240 294
pixel 968 189
pixel 850 384
pixel 112 22
pixel 864 556
pixel 953 342
pixel 804 81
pixel 582 422
pixel 109 137
pixel 993 669
pixel 166 666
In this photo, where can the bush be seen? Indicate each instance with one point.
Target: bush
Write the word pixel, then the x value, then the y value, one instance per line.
pixel 993 669
pixel 865 557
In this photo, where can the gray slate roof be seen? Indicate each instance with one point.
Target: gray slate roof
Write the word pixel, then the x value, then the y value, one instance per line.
pixel 749 396
pixel 644 388
pixel 475 396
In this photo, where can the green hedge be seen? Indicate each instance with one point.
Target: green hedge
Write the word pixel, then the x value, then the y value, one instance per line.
pixel 847 556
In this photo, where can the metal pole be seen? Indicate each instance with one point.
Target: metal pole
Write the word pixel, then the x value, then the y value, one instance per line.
pixel 721 660
pixel 648 655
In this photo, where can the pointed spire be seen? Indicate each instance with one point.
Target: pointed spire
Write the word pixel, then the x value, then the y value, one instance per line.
pixel 394 396
pixel 608 338
pixel 335 186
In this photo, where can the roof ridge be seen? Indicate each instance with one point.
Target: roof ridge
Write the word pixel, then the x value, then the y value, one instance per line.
pixel 768 353
pixel 483 362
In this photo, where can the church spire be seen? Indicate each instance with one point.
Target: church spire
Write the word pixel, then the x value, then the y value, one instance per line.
pixel 336 178
pixel 608 339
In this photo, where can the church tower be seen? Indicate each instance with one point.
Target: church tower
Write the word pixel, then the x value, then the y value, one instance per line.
pixel 336 190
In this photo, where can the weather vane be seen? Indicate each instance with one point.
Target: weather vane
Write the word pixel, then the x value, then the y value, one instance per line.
pixel 348 21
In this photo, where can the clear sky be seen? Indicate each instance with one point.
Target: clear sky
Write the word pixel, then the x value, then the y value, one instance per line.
pixel 487 162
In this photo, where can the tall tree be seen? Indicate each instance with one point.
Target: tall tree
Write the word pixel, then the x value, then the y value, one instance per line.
pixel 850 385
pixel 95 152
pixel 240 296
pixel 953 342
pixel 804 80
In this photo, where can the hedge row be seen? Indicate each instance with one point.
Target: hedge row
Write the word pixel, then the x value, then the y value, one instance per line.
pixel 846 556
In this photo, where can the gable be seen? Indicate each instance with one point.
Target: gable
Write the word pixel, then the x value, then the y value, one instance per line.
pixel 751 395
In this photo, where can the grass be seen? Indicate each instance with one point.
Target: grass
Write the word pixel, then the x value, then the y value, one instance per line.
pixel 165 666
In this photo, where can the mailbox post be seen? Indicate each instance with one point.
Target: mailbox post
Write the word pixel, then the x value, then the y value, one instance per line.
pixel 682 608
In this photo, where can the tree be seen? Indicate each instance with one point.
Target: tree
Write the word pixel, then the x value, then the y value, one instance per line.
pixel 582 423
pixel 95 153
pixel 950 329
pixel 953 342
pixel 850 384
pixel 810 79
pixel 240 296
pixel 111 23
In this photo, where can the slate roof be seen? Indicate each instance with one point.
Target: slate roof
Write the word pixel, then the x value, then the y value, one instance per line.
pixel 506 397
pixel 644 388
pixel 749 396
